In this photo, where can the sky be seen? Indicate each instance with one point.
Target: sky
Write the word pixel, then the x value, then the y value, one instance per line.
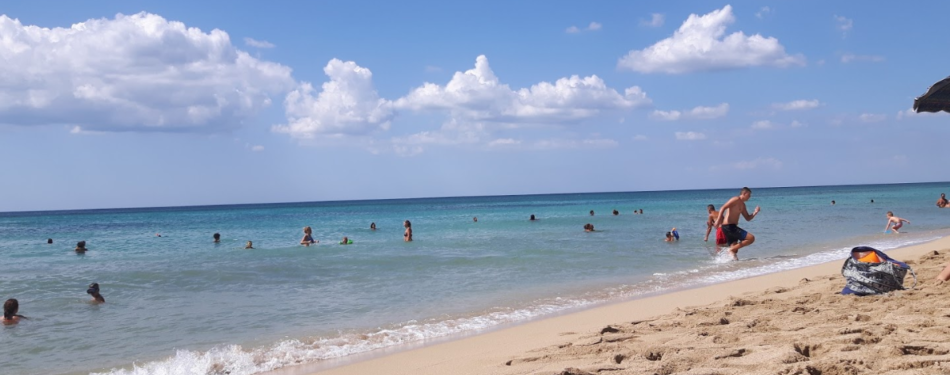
pixel 112 104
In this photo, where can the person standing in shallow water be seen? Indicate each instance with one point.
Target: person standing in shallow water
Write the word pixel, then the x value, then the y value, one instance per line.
pixel 307 239
pixel 728 219
pixel 407 236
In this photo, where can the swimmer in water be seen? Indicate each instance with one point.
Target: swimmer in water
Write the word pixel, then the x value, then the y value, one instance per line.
pixel 532 218
pixel 307 239
pixel 372 226
pixel 250 245
pixel 588 227
pixel 475 219
pixel 217 237
pixel 10 310
pixel 616 212
pixel 591 212
pixel 346 241
pixel 49 241
pixel 81 247
pixel 669 237
pixel 407 236
pixel 94 292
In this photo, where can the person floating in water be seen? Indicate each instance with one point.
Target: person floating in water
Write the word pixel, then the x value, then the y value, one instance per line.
pixel 10 312
pixel 588 227
pixel 475 219
pixel 217 237
pixel 943 202
pixel 372 226
pixel 49 241
pixel 250 245
pixel 346 241
pixel 641 211
pixel 81 247
pixel 407 236
pixel 591 212
pixel 894 223
pixel 616 212
pixel 307 239
pixel 832 203
pixel 736 237
pixel 532 218
pixel 94 292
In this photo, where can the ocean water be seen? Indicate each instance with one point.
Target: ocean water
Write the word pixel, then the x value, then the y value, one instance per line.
pixel 180 304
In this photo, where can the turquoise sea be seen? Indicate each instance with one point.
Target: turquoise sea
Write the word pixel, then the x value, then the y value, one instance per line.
pixel 181 304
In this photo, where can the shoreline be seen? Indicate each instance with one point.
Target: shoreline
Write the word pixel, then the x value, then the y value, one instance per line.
pixel 490 351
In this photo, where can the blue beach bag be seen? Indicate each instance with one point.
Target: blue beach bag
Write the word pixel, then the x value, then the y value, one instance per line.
pixel 867 278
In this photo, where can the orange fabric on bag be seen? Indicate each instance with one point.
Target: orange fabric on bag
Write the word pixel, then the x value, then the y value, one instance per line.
pixel 871 258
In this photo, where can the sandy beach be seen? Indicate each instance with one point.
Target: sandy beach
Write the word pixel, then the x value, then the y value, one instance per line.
pixel 792 322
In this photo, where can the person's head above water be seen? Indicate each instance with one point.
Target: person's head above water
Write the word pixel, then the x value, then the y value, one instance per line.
pixel 217 237
pixel 532 217
pixel 94 292
pixel 10 308
pixel 475 219
pixel 616 212
pixel 49 240
pixel 250 245
pixel 591 212
pixel 372 225
pixel 81 246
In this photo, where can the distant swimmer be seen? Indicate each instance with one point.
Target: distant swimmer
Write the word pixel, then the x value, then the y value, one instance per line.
pixel 475 219
pixel 641 211
pixel 832 203
pixel 81 247
pixel 616 212
pixel 588 227
pixel 346 241
pixel 942 202
pixel 669 237
pixel 94 292
pixel 10 312
pixel 894 223
pixel 407 236
pixel 372 226
pixel 736 237
pixel 710 224
pixel 217 237
pixel 872 201
pixel 307 239
pixel 250 245
pixel 591 212
pixel 49 241
pixel 158 234
pixel 532 218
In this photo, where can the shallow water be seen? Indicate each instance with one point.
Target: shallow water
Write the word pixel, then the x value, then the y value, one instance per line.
pixel 182 304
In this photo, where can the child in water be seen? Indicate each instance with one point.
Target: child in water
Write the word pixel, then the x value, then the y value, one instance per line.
pixel 307 237
pixel 894 223
pixel 250 245
pixel 10 310
pixel 94 292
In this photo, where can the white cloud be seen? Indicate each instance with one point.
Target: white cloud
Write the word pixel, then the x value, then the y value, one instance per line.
pixel 872 117
pixel 844 24
pixel 640 137
pixel 258 43
pixel 593 26
pixel 700 44
pixel 760 163
pixel 698 113
pixel 689 136
pixel 763 125
pixel 656 20
pixel 562 144
pixel 909 113
pixel 763 12
pixel 796 124
pixel 257 148
pixel 478 95
pixel 347 105
pixel 850 57
pixel 504 142
pixel 131 73
pixel 796 105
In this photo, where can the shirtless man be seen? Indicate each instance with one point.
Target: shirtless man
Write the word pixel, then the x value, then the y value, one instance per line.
pixel 736 237
pixel 942 202
pixel 710 220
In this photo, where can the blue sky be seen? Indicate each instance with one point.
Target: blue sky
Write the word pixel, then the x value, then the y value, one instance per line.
pixel 136 104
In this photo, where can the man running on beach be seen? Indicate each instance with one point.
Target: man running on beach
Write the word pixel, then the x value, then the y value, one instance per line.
pixel 736 237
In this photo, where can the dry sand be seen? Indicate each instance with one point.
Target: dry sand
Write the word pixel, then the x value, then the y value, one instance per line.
pixel 792 322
